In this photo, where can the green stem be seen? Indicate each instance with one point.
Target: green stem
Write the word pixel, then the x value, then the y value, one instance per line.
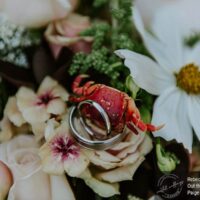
pixel 117 64
pixel 114 6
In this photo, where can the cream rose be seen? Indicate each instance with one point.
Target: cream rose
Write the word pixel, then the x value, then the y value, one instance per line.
pixel 119 163
pixel 36 13
pixel 21 156
pixel 101 170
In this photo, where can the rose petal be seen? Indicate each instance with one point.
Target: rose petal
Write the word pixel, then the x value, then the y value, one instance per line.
pixel 103 189
pixel 130 159
pixel 121 173
pixel 24 162
pixel 24 189
pixel 94 158
pixel 22 141
pixel 146 145
pixel 129 150
pixel 60 188
pixel 6 180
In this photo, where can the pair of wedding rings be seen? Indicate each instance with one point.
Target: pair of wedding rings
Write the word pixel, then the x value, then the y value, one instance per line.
pixel 91 139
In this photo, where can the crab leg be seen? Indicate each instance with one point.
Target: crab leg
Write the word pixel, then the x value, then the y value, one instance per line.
pixel 134 116
pixel 76 84
pixel 132 128
pixel 87 87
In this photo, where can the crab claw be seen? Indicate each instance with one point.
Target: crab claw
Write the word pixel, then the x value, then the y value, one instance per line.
pixel 76 84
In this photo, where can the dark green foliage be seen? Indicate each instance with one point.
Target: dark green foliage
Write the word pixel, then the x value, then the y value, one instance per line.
pixel 116 33
pixel 102 62
pixel 99 3
pixel 99 32
pixel 122 13
pixel 3 98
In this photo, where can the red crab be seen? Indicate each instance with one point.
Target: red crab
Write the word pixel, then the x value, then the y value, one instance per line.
pixel 121 108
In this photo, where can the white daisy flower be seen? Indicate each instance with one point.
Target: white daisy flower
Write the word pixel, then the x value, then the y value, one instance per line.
pixel 174 77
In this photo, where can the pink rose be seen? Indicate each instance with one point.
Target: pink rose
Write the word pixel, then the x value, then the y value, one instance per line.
pixel 5 180
pixel 36 13
pixel 65 32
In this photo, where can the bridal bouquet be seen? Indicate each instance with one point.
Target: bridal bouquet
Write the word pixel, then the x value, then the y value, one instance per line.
pixel 139 61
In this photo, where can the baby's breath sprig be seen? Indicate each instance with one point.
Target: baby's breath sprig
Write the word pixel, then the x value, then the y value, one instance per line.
pixel 13 42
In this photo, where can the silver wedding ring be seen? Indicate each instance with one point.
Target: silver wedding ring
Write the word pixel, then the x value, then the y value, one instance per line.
pixel 87 136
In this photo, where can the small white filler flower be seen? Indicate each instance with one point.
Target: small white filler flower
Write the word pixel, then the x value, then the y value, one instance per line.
pixel 174 76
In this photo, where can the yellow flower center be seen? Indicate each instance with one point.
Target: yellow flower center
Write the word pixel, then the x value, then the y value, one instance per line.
pixel 188 79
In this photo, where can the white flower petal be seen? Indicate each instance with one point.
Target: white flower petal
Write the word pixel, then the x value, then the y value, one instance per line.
pixel 74 167
pixel 6 131
pixel 169 31
pixel 56 106
pixel 49 131
pixel 59 91
pixel 51 164
pixel 146 73
pixel 25 98
pixel 47 85
pixel 171 109
pixel 38 130
pixel 148 8
pixel 194 111
pixel 162 51
pixel 13 113
pixel 35 114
